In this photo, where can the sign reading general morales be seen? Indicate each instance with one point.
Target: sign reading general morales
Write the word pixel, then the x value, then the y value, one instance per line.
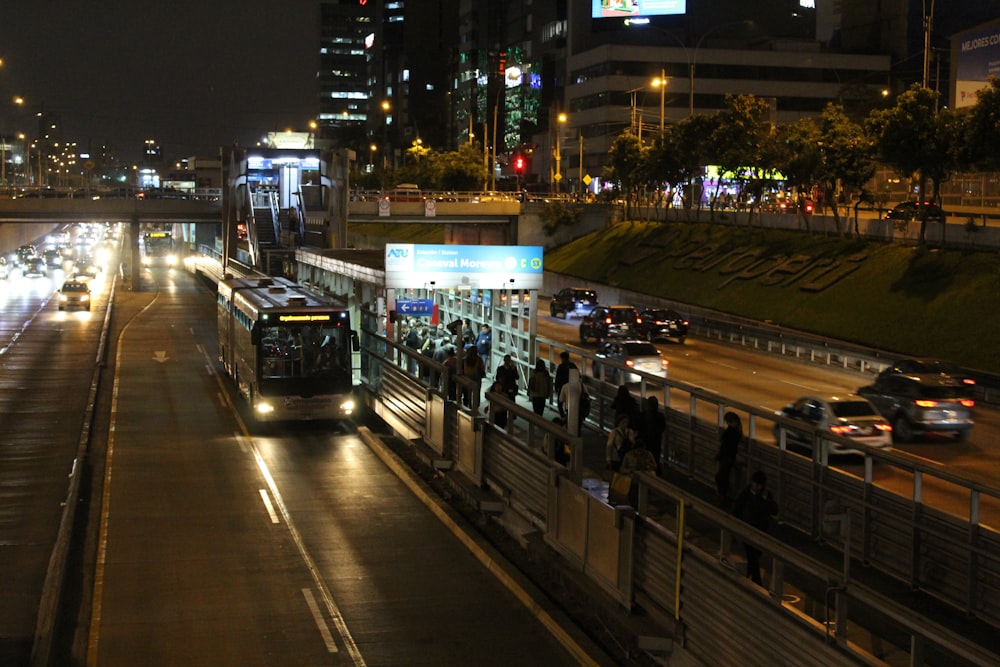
pixel 409 265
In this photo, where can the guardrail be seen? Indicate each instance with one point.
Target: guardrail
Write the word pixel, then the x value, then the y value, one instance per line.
pixel 952 558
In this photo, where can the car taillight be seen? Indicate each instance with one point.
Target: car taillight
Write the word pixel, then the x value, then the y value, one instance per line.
pixel 925 403
pixel 638 320
pixel 630 363
pixel 607 320
pixel 664 363
pixel 839 429
pixel 969 381
pixel 883 427
pixel 968 402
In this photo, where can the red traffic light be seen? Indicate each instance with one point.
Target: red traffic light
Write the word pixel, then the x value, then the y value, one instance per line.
pixel 519 164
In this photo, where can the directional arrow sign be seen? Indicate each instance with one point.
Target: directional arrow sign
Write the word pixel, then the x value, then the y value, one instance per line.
pixel 159 356
pixel 416 307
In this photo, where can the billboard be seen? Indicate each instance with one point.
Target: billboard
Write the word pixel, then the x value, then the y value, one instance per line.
pixel 631 9
pixel 409 265
pixel 976 54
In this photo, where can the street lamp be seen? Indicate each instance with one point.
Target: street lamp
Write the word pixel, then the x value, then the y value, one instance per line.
pixel 662 84
pixel 558 175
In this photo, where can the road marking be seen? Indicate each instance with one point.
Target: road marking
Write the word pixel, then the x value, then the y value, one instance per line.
pixel 268 506
pixel 331 647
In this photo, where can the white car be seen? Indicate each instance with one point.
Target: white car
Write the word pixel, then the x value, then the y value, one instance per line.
pixel 636 355
pixel 850 416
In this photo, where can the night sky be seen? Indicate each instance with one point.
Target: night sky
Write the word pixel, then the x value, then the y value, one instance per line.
pixel 191 74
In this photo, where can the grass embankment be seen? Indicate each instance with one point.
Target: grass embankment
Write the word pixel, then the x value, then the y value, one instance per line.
pixel 911 300
pixel 915 301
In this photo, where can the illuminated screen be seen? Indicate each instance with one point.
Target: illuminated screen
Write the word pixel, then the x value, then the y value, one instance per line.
pixel 625 9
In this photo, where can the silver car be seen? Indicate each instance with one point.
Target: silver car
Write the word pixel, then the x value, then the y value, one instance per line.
pixel 850 416
pixel 920 403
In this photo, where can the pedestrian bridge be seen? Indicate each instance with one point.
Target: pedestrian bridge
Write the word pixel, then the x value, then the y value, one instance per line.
pixel 196 209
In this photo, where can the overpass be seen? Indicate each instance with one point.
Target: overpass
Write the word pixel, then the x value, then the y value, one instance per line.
pixel 203 208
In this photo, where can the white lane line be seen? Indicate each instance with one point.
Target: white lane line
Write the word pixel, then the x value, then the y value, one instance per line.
pixel 222 399
pixel 242 442
pixel 331 647
pixel 339 624
pixel 269 506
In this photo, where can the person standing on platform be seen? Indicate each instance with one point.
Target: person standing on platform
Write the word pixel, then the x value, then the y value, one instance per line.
pixel 562 377
pixel 756 506
pixel 484 344
pixel 539 386
pixel 729 449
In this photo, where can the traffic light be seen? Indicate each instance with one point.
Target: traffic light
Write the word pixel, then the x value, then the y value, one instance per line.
pixel 519 165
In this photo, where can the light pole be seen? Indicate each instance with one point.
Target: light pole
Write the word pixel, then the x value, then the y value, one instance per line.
pixel 561 120
pixel 662 83
pixel 928 26
pixel 385 133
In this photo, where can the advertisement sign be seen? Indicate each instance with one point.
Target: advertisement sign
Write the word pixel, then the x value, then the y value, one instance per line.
pixel 977 58
pixel 631 9
pixel 474 267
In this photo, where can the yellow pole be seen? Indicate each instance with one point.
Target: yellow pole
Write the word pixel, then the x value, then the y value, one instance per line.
pixel 680 551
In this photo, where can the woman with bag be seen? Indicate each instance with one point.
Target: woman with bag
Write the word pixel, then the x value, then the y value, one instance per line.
pixel 539 387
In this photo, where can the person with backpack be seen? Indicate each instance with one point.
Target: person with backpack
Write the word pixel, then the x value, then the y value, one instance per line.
pixel 620 441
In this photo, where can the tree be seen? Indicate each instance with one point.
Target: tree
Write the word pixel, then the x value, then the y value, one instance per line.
pixel 744 143
pixel 980 133
pixel 847 157
pixel 907 135
pixel 459 170
pixel 799 159
pixel 625 167
pixel 694 147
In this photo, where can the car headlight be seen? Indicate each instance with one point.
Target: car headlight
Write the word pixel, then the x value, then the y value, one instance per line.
pixel 62 297
pixel 347 407
pixel 146 260
pixel 85 297
pixel 265 408
pixel 171 260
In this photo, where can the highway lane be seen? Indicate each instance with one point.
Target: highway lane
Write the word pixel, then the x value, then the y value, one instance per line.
pixel 276 544
pixel 771 381
pixel 47 359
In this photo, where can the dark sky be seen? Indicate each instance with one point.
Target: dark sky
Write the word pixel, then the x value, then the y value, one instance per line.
pixel 192 74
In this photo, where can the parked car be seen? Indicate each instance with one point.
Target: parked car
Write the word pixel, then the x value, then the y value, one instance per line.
pixel 851 416
pixel 639 355
pixel 926 366
pixel 604 322
pixel 908 211
pixel 917 403
pixel 662 323
pixel 572 302
pixel 74 294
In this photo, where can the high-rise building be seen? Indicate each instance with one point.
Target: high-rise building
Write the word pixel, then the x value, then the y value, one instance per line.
pixel 344 88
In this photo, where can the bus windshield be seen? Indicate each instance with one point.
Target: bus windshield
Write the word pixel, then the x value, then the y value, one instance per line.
pixel 303 351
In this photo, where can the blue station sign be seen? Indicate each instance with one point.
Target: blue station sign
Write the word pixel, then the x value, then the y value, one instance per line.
pixel 415 307
pixel 410 265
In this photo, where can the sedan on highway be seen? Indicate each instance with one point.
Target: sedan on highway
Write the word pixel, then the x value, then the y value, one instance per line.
pixel 636 355
pixel 850 416
pixel 662 323
pixel 919 403
pixel 74 294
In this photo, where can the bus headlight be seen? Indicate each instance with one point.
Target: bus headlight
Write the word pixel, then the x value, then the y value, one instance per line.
pixel 265 408
pixel 171 260
pixel 147 260
pixel 347 407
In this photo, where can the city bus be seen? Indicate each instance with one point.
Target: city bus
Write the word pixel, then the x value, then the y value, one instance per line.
pixel 158 249
pixel 288 350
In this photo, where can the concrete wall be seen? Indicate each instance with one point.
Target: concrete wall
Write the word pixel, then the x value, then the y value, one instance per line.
pixel 13 235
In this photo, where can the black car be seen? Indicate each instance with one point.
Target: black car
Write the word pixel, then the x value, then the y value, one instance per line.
pixel 572 301
pixel 604 322
pixel 909 211
pixel 661 323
